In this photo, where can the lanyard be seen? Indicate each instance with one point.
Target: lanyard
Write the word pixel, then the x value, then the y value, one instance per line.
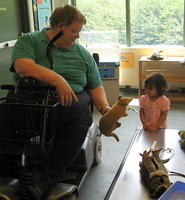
pixel 48 52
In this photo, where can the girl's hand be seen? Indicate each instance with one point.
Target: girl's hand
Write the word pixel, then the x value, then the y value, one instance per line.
pixel 152 127
pixel 145 126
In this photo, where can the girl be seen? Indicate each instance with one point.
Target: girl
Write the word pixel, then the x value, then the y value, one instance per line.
pixel 154 105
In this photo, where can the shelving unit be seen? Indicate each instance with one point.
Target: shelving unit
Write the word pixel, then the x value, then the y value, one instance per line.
pixel 172 69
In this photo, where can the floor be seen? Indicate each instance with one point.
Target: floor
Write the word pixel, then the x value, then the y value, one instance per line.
pixel 101 176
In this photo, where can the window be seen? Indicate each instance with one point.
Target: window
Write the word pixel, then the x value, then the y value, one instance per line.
pixel 151 22
pixel 156 22
pixel 97 38
pixel 105 19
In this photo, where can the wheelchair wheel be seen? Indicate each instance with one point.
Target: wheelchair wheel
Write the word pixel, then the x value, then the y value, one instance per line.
pixel 97 151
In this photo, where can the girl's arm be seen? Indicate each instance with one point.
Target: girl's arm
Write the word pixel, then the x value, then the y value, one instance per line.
pixel 143 119
pixel 162 119
pixel 163 115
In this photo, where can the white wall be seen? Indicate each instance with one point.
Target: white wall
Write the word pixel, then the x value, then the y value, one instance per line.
pixel 130 76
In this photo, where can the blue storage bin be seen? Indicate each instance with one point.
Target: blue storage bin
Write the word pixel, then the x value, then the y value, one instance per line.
pixel 174 192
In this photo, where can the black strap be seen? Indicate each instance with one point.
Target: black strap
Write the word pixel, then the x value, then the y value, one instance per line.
pixel 56 37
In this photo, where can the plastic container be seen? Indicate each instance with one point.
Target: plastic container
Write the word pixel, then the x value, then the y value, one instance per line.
pixel 174 192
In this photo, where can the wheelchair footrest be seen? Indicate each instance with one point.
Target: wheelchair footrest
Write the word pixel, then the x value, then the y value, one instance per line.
pixel 8 188
pixel 61 190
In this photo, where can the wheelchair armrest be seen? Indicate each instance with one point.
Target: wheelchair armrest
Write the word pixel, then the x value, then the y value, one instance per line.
pixel 27 87
pixel 7 87
pixel 27 104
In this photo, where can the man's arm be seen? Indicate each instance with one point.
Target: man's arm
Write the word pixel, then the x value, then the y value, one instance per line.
pixel 99 98
pixel 27 67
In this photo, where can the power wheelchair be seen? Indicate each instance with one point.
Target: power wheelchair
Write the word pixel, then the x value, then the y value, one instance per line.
pixel 31 138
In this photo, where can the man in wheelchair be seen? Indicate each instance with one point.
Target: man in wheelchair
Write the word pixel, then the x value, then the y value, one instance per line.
pixel 53 57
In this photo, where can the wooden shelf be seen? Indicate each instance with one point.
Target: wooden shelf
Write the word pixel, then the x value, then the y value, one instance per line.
pixel 168 78
pixel 176 96
pixel 171 68
pixel 166 59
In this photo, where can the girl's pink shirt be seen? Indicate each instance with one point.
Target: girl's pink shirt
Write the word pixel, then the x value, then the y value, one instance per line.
pixel 152 109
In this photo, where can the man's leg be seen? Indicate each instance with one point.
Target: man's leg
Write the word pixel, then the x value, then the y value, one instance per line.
pixel 71 130
pixel 72 124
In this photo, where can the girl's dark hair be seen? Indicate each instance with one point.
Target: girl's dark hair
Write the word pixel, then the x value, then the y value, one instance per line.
pixel 156 80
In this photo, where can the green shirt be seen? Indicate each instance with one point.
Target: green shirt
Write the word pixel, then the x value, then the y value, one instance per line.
pixel 75 64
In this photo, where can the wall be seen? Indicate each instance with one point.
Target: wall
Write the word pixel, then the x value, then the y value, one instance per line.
pixel 13 19
pixel 9 20
pixel 129 76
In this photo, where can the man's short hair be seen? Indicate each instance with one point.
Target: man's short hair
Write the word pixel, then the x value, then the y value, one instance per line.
pixel 66 15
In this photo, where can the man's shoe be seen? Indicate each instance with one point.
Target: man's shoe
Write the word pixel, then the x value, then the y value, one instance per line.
pixel 41 187
pixel 36 192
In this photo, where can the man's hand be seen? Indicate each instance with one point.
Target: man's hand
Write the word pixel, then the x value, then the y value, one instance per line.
pixel 105 109
pixel 66 94
pixel 28 67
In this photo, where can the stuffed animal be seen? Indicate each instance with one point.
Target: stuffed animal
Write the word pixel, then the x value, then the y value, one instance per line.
pixel 154 173
pixel 182 134
pixel 182 140
pixel 109 121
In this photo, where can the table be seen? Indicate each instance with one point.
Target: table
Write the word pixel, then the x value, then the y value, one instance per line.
pixel 127 183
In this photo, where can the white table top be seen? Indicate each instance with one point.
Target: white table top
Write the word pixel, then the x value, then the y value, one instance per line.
pixel 128 185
